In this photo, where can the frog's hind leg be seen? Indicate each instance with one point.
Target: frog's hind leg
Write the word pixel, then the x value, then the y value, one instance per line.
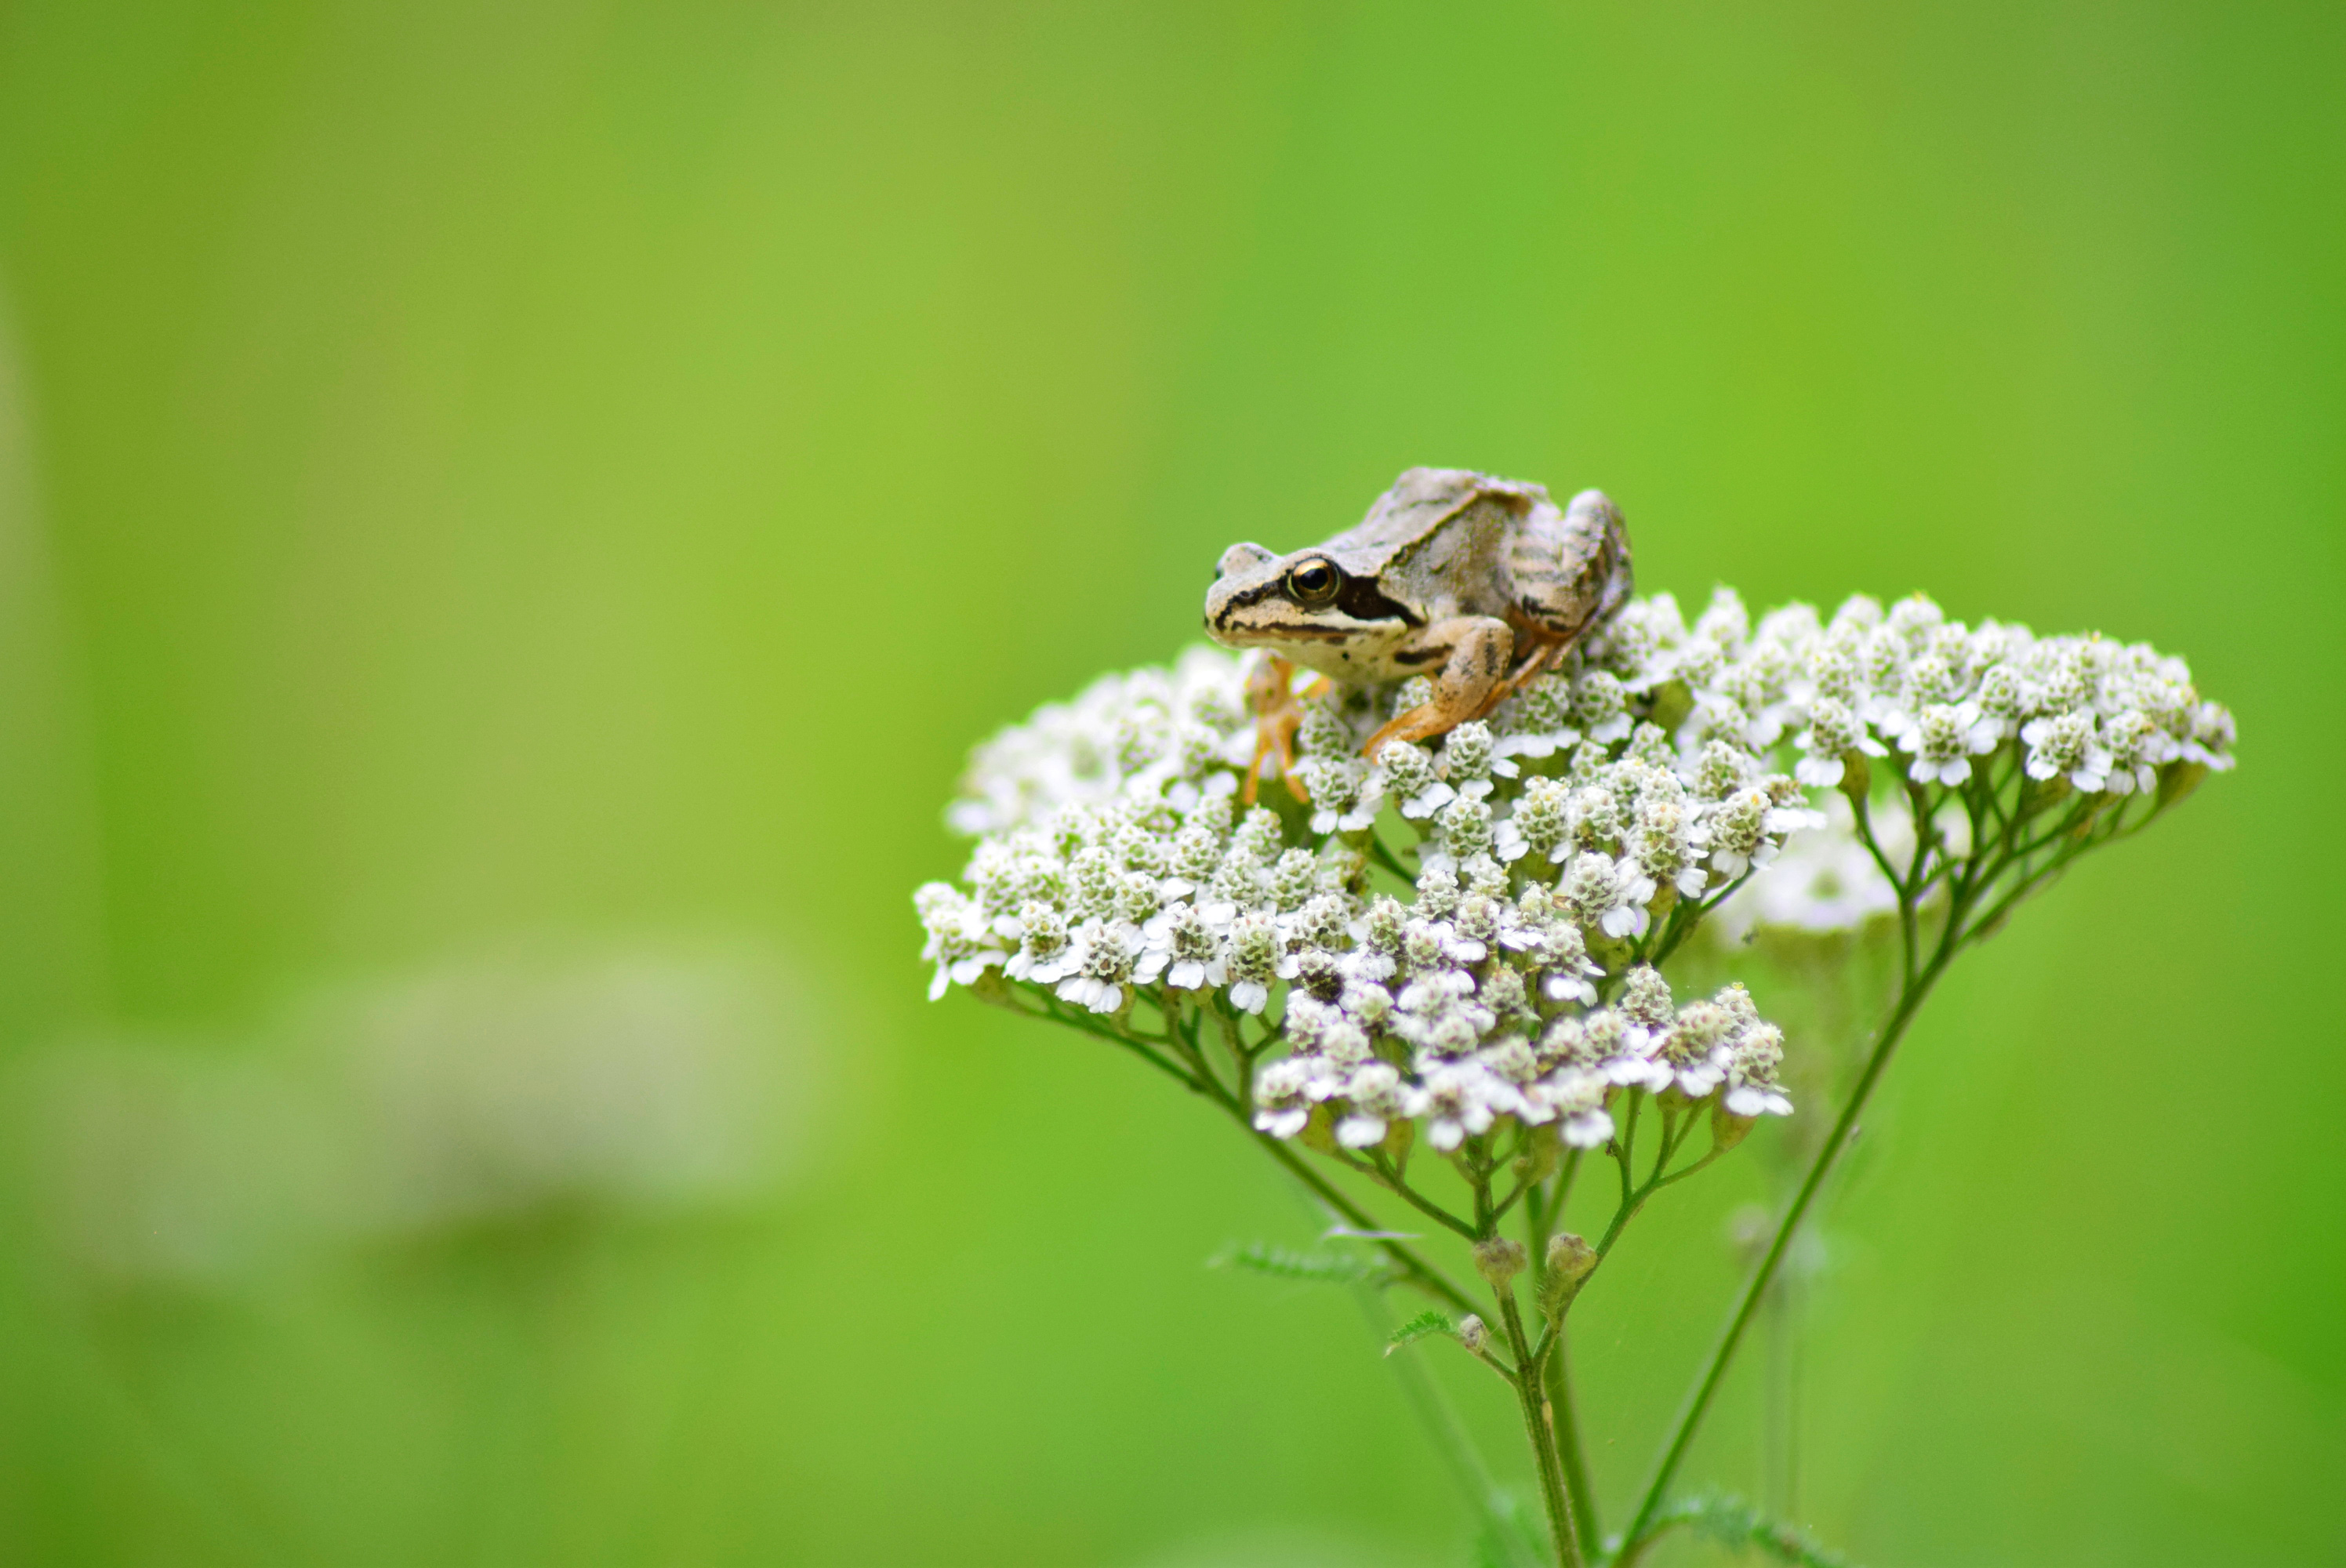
pixel 1474 652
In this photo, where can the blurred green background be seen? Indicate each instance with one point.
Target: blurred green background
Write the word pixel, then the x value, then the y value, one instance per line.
pixel 511 515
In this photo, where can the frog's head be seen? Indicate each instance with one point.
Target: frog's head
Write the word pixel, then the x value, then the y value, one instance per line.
pixel 1307 605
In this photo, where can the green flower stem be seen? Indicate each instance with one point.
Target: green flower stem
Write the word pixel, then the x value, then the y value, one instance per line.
pixel 1566 1421
pixel 1087 1023
pixel 1634 1194
pixel 1531 1398
pixel 1540 1217
pixel 1624 1148
pixel 1379 853
pixel 1679 923
pixel 1392 1179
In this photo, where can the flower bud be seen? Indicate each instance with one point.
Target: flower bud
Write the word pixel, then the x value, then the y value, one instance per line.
pixel 1727 1129
pixel 1472 1333
pixel 1537 1163
pixel 2178 780
pixel 1319 1132
pixel 1498 1259
pixel 1856 777
pixel 1570 1261
pixel 1401 1136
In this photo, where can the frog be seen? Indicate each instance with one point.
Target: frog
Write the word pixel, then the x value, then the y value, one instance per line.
pixel 1478 584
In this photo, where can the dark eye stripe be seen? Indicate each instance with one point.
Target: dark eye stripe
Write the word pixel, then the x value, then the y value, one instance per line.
pixel 1359 599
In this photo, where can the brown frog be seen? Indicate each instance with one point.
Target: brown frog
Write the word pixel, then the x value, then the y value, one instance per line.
pixel 1477 583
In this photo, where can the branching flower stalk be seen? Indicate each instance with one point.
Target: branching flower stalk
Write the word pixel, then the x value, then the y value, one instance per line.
pixel 1432 987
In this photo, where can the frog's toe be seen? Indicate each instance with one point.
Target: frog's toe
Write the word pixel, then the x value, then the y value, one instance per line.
pixel 1274 741
pixel 1422 723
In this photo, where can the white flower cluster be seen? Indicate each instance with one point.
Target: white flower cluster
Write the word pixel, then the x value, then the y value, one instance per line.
pixel 2105 716
pixel 1936 699
pixel 1599 810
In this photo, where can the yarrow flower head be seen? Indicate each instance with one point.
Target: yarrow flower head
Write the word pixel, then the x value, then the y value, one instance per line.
pixel 1464 934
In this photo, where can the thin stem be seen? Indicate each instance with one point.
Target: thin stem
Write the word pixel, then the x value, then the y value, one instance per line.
pixel 1548 1357
pixel 1417 1201
pixel 1671 1131
pixel 1563 1187
pixel 1685 916
pixel 1563 1414
pixel 1683 1172
pixel 1531 1398
pixel 1625 1146
pixel 1387 858
pixel 1630 1204
pixel 1054 1012
pixel 1862 814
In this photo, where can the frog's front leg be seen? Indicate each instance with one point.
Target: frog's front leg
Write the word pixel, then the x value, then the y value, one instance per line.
pixel 1277 715
pixel 1467 659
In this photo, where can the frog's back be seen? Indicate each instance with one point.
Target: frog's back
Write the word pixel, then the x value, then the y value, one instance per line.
pixel 1418 502
pixel 1438 524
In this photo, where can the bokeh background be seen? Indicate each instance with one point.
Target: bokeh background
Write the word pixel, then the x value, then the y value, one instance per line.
pixel 511 515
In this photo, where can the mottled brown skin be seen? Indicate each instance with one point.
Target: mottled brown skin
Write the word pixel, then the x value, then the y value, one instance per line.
pixel 1477 582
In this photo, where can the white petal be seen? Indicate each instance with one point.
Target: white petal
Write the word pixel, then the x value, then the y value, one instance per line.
pixel 1820 772
pixel 1588 1130
pixel 1561 987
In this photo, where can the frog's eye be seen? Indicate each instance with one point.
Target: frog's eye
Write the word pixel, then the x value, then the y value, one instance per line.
pixel 1313 582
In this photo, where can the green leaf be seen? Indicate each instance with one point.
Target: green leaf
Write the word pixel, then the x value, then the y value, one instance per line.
pixel 1313 1267
pixel 1736 1525
pixel 1423 1326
